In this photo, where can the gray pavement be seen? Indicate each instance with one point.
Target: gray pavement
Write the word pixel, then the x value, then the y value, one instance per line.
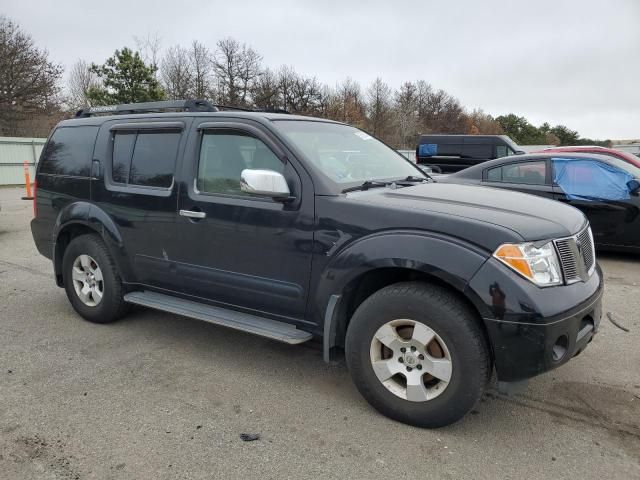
pixel 157 396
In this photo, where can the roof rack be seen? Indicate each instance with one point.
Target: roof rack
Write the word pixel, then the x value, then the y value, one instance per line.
pixel 148 107
pixel 171 105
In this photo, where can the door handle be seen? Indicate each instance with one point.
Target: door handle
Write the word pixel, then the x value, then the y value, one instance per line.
pixel 95 169
pixel 192 214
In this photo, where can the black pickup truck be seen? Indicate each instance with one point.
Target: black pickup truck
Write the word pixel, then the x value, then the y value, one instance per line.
pixel 293 227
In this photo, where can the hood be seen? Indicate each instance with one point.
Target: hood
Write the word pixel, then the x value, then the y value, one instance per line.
pixel 529 216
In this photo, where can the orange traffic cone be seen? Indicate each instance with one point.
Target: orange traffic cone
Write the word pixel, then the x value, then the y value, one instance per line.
pixel 27 181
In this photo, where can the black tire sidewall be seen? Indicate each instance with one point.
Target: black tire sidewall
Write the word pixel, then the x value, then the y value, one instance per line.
pixel 469 362
pixel 108 308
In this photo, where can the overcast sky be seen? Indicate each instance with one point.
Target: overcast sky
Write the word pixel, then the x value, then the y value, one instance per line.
pixel 570 62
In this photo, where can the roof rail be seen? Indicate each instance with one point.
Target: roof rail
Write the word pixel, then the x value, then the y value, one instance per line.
pixel 148 107
pixel 230 107
pixel 245 109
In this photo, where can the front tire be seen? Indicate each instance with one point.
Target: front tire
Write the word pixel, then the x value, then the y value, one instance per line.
pixel 417 354
pixel 92 281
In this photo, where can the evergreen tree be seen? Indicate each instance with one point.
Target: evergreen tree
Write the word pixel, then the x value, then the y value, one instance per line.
pixel 125 79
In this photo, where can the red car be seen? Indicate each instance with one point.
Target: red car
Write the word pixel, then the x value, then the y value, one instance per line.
pixel 612 152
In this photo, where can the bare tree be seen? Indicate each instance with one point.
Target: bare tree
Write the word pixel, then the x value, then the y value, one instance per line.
pixel 149 48
pixel 348 100
pixel 237 67
pixel 176 73
pixel 79 80
pixel 250 70
pixel 406 115
pixel 287 78
pixel 480 123
pixel 28 80
pixel 444 113
pixel 306 95
pixel 378 107
pixel 265 91
pixel 201 69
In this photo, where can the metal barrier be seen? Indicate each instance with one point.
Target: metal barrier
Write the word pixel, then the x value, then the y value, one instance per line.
pixel 14 151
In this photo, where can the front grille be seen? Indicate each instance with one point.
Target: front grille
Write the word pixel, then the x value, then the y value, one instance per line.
pixel 568 259
pixel 577 256
pixel 585 246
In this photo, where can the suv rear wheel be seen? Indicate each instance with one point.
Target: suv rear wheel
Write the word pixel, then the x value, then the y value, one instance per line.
pixel 91 280
pixel 417 354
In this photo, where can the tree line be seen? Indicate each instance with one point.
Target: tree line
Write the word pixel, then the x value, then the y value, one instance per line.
pixel 34 94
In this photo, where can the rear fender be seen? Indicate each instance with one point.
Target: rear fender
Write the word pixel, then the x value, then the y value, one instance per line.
pixel 88 217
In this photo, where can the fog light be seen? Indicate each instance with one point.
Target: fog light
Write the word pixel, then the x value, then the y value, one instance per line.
pixel 560 348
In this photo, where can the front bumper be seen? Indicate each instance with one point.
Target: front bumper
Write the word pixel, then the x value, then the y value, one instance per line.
pixel 531 329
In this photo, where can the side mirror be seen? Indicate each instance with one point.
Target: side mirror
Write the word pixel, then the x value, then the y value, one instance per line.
pixel 634 186
pixel 264 183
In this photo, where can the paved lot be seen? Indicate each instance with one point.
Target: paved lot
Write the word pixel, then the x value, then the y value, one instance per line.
pixel 161 397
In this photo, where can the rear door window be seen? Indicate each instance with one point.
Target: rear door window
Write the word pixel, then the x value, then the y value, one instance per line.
pixel 145 158
pixel 122 150
pixel 69 151
pixel 529 173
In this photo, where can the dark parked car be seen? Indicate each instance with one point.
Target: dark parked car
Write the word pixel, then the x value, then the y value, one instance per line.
pixel 452 153
pixel 605 188
pixel 293 227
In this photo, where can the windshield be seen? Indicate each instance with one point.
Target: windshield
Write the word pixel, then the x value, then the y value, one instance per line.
pixel 345 154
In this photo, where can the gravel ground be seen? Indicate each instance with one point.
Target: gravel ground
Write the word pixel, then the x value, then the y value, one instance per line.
pixel 158 396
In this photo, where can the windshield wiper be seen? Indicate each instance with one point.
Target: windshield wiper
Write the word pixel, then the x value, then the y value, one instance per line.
pixel 412 179
pixel 366 185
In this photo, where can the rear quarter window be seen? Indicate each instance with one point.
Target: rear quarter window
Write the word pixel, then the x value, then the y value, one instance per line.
pixel 69 151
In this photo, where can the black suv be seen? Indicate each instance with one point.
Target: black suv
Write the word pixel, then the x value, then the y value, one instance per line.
pixel 293 227
pixel 452 153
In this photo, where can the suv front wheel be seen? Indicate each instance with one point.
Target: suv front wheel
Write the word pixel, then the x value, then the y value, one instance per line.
pixel 91 280
pixel 417 354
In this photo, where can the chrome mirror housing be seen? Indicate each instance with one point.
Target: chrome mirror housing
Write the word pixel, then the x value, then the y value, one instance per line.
pixel 265 183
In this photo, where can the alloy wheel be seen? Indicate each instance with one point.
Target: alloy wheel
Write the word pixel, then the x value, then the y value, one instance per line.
pixel 87 280
pixel 411 360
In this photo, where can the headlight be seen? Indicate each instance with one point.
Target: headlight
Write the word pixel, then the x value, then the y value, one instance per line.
pixel 538 264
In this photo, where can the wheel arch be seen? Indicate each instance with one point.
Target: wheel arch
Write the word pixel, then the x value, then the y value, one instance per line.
pixel 82 218
pixel 432 259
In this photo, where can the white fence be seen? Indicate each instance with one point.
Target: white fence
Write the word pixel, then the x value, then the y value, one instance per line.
pixel 13 153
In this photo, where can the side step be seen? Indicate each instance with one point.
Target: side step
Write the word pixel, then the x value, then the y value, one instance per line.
pixel 264 327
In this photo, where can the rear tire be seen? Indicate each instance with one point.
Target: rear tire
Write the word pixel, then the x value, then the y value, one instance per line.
pixel 92 281
pixel 402 334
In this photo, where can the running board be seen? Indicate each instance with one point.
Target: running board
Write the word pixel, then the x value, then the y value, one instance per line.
pixel 264 327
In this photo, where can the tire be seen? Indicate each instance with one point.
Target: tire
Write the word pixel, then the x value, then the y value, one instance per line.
pixel 415 312
pixel 89 256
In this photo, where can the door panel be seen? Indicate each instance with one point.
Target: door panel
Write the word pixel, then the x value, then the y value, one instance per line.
pixel 135 186
pixel 249 252
pixel 612 222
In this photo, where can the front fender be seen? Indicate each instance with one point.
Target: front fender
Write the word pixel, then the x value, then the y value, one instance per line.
pixel 449 259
